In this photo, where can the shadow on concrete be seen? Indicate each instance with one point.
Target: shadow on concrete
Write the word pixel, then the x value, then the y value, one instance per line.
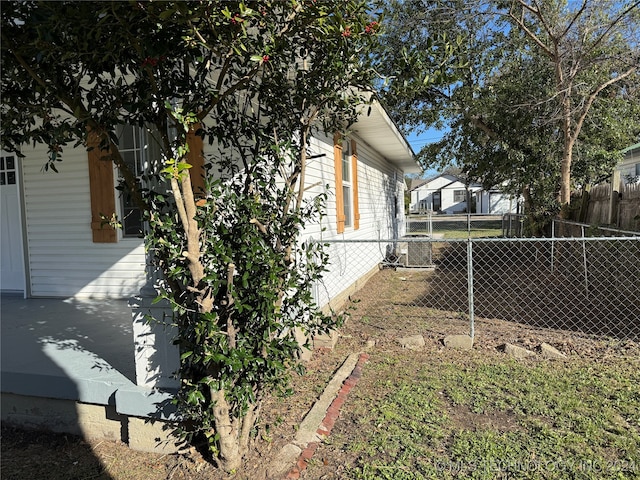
pixel 55 353
pixel 102 327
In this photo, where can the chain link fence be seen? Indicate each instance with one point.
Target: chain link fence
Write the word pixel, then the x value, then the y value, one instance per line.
pixel 566 228
pixel 589 286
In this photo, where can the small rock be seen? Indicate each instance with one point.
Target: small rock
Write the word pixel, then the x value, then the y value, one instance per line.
pixel 370 344
pixel 462 342
pixel 413 342
pixel 517 352
pixel 547 351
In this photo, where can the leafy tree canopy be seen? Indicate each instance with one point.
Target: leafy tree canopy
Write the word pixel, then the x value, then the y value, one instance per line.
pixel 539 96
pixel 254 79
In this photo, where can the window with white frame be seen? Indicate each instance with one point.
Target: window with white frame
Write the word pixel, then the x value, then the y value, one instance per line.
pixel 345 157
pixel 459 195
pixel 8 170
pixel 132 145
pixel 346 184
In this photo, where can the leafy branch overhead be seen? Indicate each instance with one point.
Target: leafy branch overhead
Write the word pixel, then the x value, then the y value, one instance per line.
pixel 248 82
pixel 534 96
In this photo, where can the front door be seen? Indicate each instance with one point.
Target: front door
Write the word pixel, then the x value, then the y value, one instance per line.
pixel 437 201
pixel 11 257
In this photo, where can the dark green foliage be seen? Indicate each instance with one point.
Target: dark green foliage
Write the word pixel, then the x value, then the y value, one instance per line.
pixel 255 80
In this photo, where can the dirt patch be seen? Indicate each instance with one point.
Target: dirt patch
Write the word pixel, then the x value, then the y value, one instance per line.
pixel 462 417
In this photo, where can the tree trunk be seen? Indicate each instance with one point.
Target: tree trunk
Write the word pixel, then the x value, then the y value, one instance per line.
pixel 230 456
pixel 234 433
pixel 565 179
pixel 532 221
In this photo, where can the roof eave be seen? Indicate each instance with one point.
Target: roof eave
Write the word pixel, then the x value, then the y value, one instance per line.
pixel 379 131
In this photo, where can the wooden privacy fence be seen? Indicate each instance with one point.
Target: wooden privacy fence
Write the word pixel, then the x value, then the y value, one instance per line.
pixel 620 209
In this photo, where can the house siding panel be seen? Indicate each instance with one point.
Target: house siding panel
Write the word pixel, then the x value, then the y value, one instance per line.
pixel 63 260
pixel 380 185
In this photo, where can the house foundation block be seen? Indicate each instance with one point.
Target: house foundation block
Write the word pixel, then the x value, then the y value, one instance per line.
pixel 93 422
pixel 152 436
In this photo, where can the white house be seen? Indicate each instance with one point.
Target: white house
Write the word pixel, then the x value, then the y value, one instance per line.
pixel 54 246
pixel 445 193
pixel 629 167
pixel 54 243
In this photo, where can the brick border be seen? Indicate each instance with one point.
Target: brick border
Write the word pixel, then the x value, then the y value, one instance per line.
pixel 333 412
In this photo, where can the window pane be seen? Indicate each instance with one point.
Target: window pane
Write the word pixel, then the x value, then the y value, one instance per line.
pixel 130 159
pixel 346 162
pixel 346 195
pixel 132 224
pixel 131 216
pixel 125 137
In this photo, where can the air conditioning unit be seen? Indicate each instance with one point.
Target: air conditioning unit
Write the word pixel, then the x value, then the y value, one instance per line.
pixel 419 254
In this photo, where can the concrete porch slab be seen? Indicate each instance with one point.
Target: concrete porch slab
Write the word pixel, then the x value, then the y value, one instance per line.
pixel 33 328
pixel 74 349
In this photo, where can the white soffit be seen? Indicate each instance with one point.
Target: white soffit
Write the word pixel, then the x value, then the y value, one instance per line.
pixel 376 128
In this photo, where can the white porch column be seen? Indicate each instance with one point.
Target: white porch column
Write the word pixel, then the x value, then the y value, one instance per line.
pixel 157 358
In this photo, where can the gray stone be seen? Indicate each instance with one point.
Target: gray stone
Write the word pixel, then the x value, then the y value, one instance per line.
pixel 283 461
pixel 547 351
pixel 412 342
pixel 461 342
pixel 517 352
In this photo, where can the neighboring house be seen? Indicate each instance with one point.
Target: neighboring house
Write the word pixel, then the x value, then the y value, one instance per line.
pixel 445 193
pixel 495 202
pixel 54 245
pixel 629 167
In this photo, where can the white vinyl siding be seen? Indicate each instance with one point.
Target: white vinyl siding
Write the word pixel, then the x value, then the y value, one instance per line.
pixel 63 259
pixel 380 188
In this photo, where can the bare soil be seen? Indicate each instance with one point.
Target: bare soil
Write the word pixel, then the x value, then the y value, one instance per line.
pixel 380 314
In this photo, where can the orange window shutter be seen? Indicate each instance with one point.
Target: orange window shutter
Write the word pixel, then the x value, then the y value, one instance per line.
pixel 195 157
pixel 102 190
pixel 337 158
pixel 354 184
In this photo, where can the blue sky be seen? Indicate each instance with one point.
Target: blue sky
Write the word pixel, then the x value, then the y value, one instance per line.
pixel 417 141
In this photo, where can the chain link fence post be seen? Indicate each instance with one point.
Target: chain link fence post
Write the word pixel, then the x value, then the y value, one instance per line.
pixel 470 286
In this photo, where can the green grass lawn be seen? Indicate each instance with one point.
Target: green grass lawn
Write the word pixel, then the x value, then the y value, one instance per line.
pixel 482 415
pixel 458 228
